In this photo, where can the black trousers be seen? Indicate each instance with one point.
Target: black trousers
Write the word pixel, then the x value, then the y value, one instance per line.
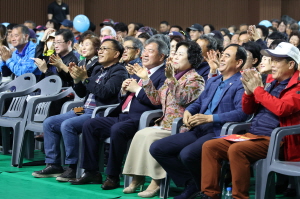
pixel 180 154
pixel 120 130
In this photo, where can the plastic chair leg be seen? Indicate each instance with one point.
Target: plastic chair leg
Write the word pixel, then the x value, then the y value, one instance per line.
pixel 5 140
pixel 30 145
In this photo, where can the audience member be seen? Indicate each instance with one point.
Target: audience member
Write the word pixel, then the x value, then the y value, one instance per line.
pixel 107 22
pixel 227 40
pixel 164 27
pixel 53 24
pixel 6 73
pixel 282 27
pixel 175 37
pixel 8 38
pixel 208 28
pixel 262 31
pixel 30 24
pixel 58 63
pixel 291 28
pixel 133 28
pixel 132 51
pixel 66 24
pixel 224 31
pixel 275 23
pixel 232 29
pixel 282 92
pixel 21 60
pixel 243 27
pixel 122 123
pixel 244 37
pixel 176 28
pixel 145 29
pixel 220 102
pixel 275 36
pixel 182 86
pixel 253 55
pixel 101 88
pixel 121 29
pixel 107 32
pixel 144 37
pixel 195 31
pixel 295 38
pixel 58 11
pixel 235 38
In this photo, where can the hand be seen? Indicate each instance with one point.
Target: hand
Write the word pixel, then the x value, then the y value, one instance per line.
pixel 198 119
pixel 251 79
pixel 129 68
pixel 252 32
pixel 169 70
pixel 213 61
pixel 5 54
pixel 56 61
pixel 120 39
pixel 47 32
pixel 77 73
pixel 186 117
pixel 125 84
pixel 141 72
pixel 132 86
pixel 41 64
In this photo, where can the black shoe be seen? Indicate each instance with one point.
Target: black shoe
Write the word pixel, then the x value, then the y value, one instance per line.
pixel 88 178
pixel 111 183
pixel 290 192
pixel 50 171
pixel 69 174
pixel 190 191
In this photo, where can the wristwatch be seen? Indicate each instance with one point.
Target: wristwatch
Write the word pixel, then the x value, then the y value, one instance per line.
pixel 86 81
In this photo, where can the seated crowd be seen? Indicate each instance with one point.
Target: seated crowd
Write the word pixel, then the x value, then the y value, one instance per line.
pixel 206 76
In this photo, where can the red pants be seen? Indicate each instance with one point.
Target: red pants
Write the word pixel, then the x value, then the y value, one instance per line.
pixel 240 155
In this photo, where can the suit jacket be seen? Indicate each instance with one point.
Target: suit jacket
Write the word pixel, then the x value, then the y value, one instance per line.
pixel 229 108
pixel 175 96
pixel 105 91
pixel 141 103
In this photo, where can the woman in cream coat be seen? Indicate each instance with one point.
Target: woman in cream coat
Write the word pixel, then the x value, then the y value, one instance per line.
pixel 182 86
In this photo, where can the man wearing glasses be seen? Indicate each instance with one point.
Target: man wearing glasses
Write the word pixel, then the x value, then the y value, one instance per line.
pixel 122 123
pixel 58 63
pixel 100 89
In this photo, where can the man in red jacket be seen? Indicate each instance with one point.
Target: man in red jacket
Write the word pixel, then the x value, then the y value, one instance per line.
pixel 278 104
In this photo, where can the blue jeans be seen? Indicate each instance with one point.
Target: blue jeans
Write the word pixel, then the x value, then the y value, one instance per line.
pixel 69 126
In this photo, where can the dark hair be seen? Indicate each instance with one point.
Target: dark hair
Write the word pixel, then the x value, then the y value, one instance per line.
pixel 275 43
pixel 11 26
pixel 154 31
pixel 137 44
pixel 85 34
pixel 176 26
pixel 29 21
pixel 144 35
pixel 92 27
pixel 212 43
pixel 284 22
pixel 296 33
pixel 137 26
pixel 3 35
pixel 277 35
pixel 234 27
pixel 225 30
pixel 176 38
pixel 240 53
pixel 243 33
pixel 212 28
pixel 117 46
pixel 272 28
pixel 66 34
pixel 55 24
pixel 24 29
pixel 275 20
pixel 254 48
pixel 121 27
pixel 95 41
pixel 164 22
pixel 194 52
pixel 264 30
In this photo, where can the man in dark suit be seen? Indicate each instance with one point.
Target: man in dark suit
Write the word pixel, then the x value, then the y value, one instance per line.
pixel 122 124
pixel 220 102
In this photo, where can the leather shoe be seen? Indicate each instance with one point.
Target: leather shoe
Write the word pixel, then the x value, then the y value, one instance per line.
pixel 110 183
pixel 88 178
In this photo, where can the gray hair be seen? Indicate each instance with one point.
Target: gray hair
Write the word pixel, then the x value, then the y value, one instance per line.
pixel 136 43
pixel 162 46
pixel 24 29
pixel 162 37
pixel 112 31
pixel 212 42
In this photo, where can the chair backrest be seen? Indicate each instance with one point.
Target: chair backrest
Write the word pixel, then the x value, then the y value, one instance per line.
pixel 21 83
pixel 48 86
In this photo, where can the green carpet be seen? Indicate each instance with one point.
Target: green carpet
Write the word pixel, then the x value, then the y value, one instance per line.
pixel 18 183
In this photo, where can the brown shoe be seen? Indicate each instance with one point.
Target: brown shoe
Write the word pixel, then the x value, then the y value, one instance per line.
pixel 88 178
pixel 39 138
pixel 111 183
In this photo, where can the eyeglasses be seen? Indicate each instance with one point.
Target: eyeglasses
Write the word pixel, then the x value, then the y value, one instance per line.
pixel 129 48
pixel 59 43
pixel 105 49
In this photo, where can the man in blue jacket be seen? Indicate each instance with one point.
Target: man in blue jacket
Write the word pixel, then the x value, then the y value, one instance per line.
pixel 220 102
pixel 20 61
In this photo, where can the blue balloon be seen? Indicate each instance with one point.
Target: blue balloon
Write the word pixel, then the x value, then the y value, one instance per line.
pixel 5 24
pixel 265 23
pixel 81 23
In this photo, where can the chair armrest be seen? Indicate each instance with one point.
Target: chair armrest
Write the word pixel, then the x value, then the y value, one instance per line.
pixel 236 128
pixel 176 124
pixel 67 106
pixel 147 116
pixel 225 127
pixel 98 108
pixel 108 111
pixel 276 137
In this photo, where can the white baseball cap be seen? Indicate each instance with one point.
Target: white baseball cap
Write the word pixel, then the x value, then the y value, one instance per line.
pixel 283 49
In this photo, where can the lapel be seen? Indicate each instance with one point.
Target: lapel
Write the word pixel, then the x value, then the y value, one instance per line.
pixel 235 77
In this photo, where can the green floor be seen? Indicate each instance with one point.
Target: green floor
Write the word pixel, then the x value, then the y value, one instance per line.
pixel 18 183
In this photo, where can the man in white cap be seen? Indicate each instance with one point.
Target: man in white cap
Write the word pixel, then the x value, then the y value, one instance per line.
pixel 284 110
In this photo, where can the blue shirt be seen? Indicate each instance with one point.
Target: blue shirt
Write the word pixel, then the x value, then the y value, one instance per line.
pixel 213 104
